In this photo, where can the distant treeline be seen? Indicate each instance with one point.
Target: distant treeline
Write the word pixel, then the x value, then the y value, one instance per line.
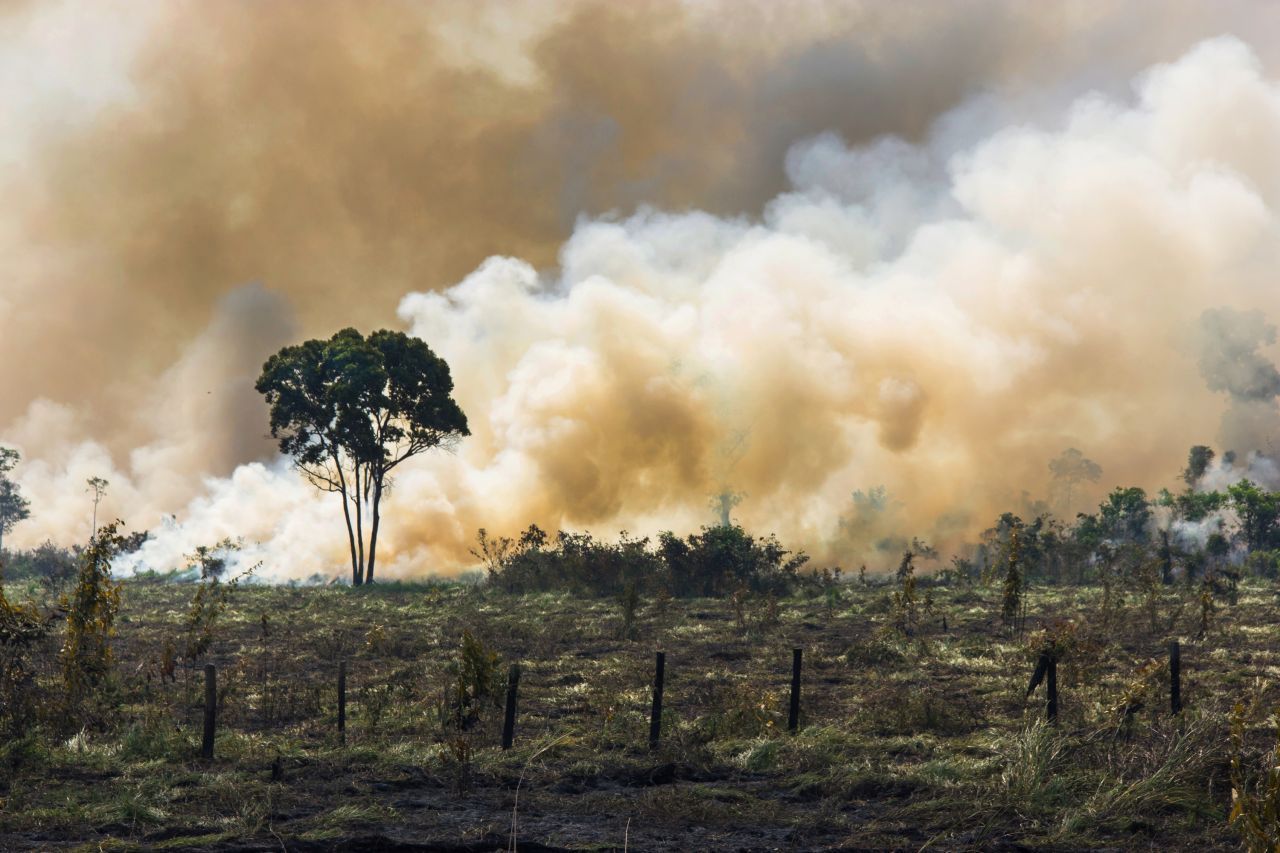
pixel 53 564
pixel 1193 535
pixel 1196 535
pixel 1199 534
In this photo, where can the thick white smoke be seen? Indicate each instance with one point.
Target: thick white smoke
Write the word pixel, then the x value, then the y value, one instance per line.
pixel 1220 475
pixel 941 319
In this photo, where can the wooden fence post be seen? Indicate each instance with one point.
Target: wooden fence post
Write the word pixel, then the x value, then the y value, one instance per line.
pixel 655 717
pixel 509 723
pixel 1047 670
pixel 1175 677
pixel 1051 704
pixel 342 702
pixel 210 710
pixel 793 717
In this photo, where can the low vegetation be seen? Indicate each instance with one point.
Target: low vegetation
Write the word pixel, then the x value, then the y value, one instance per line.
pixel 717 562
pixel 911 734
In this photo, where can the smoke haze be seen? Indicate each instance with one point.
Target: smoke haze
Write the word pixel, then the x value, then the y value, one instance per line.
pixel 668 249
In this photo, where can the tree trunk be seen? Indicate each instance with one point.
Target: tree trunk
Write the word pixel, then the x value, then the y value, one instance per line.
pixel 360 523
pixel 346 514
pixel 373 532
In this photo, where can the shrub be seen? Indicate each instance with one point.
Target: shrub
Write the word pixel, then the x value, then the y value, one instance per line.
pixel 904 599
pixel 1255 797
pixel 898 708
pixel 47 563
pixel 21 628
pixel 714 563
pixel 211 597
pixel 629 602
pixel 475 682
pixel 1263 564
pixel 576 562
pixel 877 650
pixel 721 560
pixel 91 611
pixel 742 710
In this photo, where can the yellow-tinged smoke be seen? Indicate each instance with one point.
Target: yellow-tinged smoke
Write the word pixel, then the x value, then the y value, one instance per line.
pixel 855 245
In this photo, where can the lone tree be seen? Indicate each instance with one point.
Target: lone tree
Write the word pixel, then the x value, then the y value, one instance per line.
pixel 1069 469
pixel 98 486
pixel 349 410
pixel 1198 460
pixel 13 506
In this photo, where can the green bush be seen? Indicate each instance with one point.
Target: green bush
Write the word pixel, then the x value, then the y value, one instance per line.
pixel 716 562
pixel 1263 564
pixel 48 563
pixel 721 560
pixel 475 682
pixel 576 562
pixel 22 629
pixel 91 609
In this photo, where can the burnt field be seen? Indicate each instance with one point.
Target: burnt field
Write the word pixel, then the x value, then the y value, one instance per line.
pixel 912 735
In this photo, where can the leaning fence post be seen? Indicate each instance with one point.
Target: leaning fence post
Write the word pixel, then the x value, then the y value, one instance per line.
pixel 655 717
pixel 509 723
pixel 793 718
pixel 1175 677
pixel 1046 669
pixel 210 710
pixel 1051 704
pixel 342 702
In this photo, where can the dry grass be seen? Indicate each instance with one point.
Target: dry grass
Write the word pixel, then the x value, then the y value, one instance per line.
pixel 908 740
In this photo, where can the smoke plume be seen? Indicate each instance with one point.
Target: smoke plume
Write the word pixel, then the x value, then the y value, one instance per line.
pixel 921 248
pixel 1230 361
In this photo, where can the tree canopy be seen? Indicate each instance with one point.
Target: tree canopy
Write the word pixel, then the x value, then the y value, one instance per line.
pixel 13 506
pixel 1069 469
pixel 350 409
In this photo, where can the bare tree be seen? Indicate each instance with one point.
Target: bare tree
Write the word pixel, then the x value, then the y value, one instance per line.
pixel 98 486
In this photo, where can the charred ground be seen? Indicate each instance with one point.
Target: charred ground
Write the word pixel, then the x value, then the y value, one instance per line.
pixel 909 738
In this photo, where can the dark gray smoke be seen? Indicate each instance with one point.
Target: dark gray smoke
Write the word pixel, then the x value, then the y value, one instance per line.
pixel 1231 361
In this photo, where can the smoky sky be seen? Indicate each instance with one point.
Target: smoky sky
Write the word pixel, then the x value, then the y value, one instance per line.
pixel 332 151
pixel 273 171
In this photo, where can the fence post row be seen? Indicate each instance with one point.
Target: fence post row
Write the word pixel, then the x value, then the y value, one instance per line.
pixel 509 723
pixel 655 717
pixel 342 702
pixel 793 717
pixel 210 710
pixel 1046 670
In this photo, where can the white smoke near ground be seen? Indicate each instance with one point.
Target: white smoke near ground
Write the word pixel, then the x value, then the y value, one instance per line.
pixel 202 413
pixel 283 529
pixel 1220 475
pixel 939 318
pixel 1256 467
